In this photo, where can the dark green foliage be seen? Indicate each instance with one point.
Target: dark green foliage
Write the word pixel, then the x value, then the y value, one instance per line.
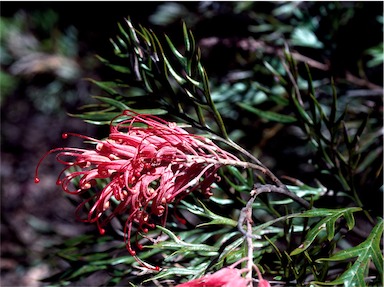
pixel 291 245
pixel 344 139
pixel 160 80
pixel 366 252
pixel 278 83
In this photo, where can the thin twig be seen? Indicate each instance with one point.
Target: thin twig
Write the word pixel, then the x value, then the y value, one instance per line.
pixel 249 240
pixel 257 165
pixel 246 216
pixel 279 189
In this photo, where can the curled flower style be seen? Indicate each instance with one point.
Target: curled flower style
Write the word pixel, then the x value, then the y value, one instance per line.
pixel 145 164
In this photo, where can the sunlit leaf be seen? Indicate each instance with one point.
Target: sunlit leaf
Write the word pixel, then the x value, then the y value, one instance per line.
pixel 118 68
pixel 205 212
pixel 97 118
pixel 175 52
pixel 327 224
pixel 268 115
pixel 171 272
pixel 302 36
pixel 117 104
pixel 366 252
pixel 178 243
pixel 109 86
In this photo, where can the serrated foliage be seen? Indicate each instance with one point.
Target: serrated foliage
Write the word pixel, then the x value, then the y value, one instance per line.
pixel 159 80
pixel 327 224
pixel 288 243
pixel 344 144
pixel 365 253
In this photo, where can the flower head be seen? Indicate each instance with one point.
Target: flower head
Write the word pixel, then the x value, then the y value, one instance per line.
pixel 226 277
pixel 144 164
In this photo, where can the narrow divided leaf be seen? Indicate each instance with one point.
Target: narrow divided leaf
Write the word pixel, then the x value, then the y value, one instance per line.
pixel 366 252
pixel 268 115
pixel 327 223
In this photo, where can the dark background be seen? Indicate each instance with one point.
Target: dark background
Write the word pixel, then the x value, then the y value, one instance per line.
pixel 34 217
pixel 34 105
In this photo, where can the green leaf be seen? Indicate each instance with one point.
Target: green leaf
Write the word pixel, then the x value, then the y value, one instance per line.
pixel 97 118
pixel 107 86
pixel 366 252
pixel 186 37
pixel 300 110
pixel 117 68
pixel 268 115
pixel 117 104
pixel 317 118
pixel 302 36
pixel 195 271
pixel 179 79
pixel 377 55
pixel 193 82
pixel 127 260
pixel 303 190
pixel 175 52
pixel 332 117
pixel 359 132
pixel 327 223
pixel 73 274
pixel 231 249
pixel 78 240
pixel 275 73
pixel 178 243
pixel 236 173
pixel 216 219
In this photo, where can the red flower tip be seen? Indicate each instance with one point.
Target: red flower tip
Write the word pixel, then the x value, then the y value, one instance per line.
pixel 131 251
pixel 181 220
pixel 37 180
pixel 101 230
pixel 64 135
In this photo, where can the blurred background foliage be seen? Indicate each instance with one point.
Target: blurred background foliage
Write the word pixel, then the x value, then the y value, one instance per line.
pixel 254 54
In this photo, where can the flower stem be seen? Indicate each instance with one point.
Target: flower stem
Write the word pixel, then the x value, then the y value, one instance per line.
pixel 278 188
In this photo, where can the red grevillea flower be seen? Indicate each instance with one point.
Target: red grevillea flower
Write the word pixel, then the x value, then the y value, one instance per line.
pixel 146 163
pixel 226 277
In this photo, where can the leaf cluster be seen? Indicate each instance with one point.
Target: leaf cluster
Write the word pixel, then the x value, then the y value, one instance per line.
pixel 159 80
pixel 292 246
